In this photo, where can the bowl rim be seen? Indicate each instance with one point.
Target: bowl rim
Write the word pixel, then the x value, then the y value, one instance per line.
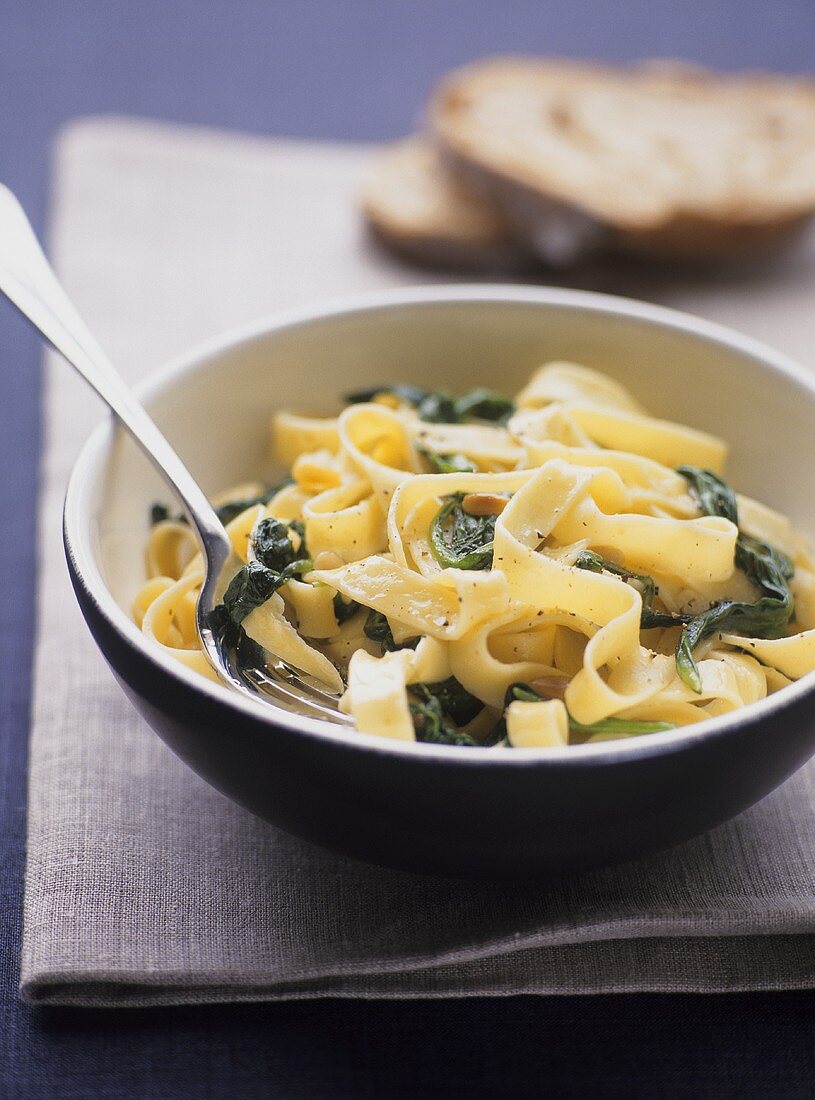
pixel 95 453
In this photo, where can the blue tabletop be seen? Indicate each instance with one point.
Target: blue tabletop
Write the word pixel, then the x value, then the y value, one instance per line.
pixel 356 69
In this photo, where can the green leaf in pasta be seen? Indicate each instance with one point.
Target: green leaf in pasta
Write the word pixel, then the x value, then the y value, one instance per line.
pixel 159 513
pixel 440 407
pixel 650 618
pixel 430 724
pixel 605 730
pixel 436 406
pixel 714 496
pixel 344 609
pixel 225 512
pixel 274 546
pixel 378 629
pixel 483 404
pixel 233 508
pixel 448 464
pixel 459 540
pixel 229 636
pixel 523 693
pixel 254 584
pixel 413 395
pixel 767 567
pixel 609 729
pixel 440 709
pixel 456 702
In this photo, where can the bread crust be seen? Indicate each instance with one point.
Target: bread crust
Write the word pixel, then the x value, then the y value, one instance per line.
pixel 414 206
pixel 535 193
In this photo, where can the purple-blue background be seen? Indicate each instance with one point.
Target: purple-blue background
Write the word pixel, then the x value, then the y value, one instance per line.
pixel 356 69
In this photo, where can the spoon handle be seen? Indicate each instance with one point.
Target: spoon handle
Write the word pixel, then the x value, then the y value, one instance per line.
pixel 29 282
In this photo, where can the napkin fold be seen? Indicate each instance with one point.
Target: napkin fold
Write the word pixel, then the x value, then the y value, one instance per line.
pixel 144 885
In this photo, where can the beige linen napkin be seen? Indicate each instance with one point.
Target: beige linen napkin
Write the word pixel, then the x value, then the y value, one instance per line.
pixel 145 886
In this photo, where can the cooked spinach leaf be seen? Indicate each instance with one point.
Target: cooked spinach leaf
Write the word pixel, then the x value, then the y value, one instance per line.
pixel 523 693
pixel 456 702
pixel 766 566
pixel 344 609
pixel 439 709
pixel 431 405
pixel 277 561
pixel 158 513
pixel 649 618
pixel 440 407
pixel 377 628
pixel 608 729
pixel 225 512
pixel 229 636
pixel 604 730
pixel 254 584
pixel 587 559
pixel 273 544
pixel 448 464
pixel 413 395
pixel 482 404
pixel 767 618
pixel 299 527
pixel 459 540
pixel 232 508
pixel 430 723
pixel 714 496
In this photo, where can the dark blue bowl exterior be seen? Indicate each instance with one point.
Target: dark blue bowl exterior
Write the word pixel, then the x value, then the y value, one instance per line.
pixel 492 818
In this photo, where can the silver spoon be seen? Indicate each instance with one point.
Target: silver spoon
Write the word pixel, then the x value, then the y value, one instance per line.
pixel 28 281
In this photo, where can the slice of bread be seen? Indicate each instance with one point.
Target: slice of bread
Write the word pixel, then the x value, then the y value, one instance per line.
pixel 661 159
pixel 416 207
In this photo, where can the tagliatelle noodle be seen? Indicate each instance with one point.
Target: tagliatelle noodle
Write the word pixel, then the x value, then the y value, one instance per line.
pixel 158 624
pixel 665 442
pixel 288 503
pixel 610 416
pixel 486 446
pixel 317 471
pixel 562 382
pixel 793 656
pixel 487 668
pixel 377 444
pixel 312 608
pixel 294 435
pixel 445 606
pixel 537 725
pixel 406 541
pixel 612 606
pixel 170 548
pixel 650 484
pixel 723 682
pixel 694 549
pixel 376 693
pixel 268 626
pixel 803 591
pixel 148 594
pixel 347 521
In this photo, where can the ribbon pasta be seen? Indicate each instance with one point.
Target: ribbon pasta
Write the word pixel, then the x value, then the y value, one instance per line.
pixel 478 571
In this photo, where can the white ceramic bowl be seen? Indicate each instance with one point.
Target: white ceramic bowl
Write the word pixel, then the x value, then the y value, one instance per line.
pixel 437 808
